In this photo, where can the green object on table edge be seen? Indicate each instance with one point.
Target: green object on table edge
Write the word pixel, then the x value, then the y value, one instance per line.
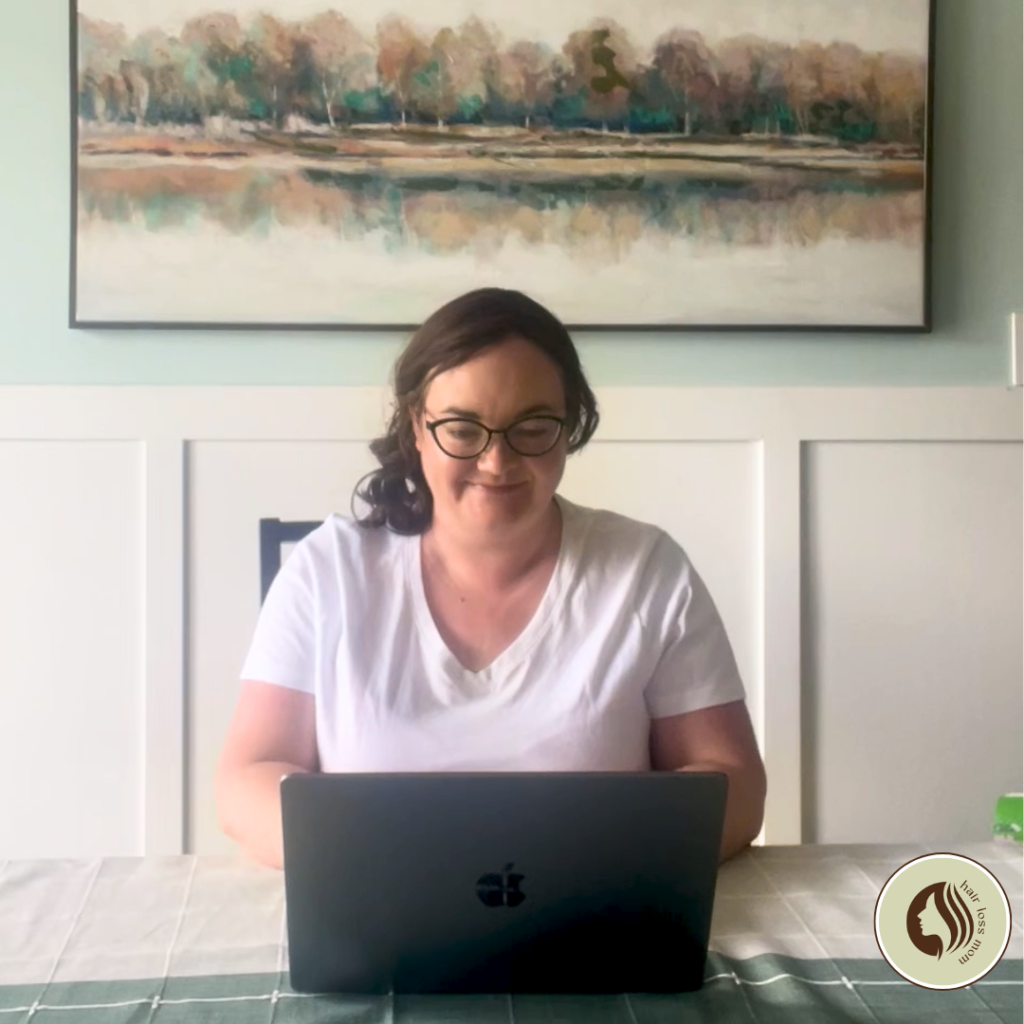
pixel 1008 820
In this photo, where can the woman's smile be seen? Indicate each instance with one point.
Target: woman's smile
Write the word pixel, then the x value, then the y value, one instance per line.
pixel 500 488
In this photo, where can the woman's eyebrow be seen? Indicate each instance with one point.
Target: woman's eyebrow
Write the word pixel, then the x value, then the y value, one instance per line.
pixel 473 415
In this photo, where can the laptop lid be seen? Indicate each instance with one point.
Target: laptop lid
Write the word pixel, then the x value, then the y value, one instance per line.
pixel 500 882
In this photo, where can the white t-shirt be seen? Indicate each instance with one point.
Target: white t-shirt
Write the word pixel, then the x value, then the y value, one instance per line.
pixel 625 632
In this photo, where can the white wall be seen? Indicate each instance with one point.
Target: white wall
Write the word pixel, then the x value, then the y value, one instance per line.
pixel 863 546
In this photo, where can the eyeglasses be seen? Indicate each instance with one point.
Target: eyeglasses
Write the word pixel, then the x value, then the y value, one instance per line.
pixel 468 439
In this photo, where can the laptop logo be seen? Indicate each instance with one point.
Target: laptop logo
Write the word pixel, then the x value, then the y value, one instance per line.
pixel 501 890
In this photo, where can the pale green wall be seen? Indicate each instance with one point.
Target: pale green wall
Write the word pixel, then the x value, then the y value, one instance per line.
pixel 977 256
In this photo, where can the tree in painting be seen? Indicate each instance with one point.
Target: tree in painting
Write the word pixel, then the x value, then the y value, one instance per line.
pixel 325 70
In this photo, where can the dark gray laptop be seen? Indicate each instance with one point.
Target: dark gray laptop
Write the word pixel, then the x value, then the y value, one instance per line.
pixel 532 882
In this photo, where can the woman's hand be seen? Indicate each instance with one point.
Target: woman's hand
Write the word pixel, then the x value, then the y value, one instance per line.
pixel 717 739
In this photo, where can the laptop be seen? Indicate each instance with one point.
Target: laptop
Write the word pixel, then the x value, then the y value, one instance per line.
pixel 500 882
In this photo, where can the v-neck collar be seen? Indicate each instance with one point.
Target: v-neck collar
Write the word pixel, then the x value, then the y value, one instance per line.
pixel 533 632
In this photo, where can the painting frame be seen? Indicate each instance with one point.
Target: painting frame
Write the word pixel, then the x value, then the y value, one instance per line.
pixel 925 325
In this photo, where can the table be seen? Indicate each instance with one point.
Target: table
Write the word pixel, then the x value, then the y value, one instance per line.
pixel 162 940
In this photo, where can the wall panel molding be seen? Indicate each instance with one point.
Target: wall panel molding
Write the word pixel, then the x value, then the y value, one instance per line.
pixel 779 422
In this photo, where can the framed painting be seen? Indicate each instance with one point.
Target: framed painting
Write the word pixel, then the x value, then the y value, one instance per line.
pixel 714 164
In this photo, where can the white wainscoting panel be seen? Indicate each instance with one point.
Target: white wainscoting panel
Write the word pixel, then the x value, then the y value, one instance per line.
pixel 912 639
pixel 231 486
pixel 863 546
pixel 705 495
pixel 71 647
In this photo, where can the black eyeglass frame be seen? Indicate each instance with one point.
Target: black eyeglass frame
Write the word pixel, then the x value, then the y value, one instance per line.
pixel 432 427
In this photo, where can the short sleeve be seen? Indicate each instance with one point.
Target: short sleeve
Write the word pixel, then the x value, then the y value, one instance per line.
pixel 284 645
pixel 697 667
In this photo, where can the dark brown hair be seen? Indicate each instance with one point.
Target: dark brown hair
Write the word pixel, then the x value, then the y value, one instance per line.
pixel 397 493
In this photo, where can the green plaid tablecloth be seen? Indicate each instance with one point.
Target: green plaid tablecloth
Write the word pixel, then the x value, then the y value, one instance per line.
pixel 162 940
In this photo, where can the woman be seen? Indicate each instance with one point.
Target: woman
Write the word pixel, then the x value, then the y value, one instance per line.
pixel 474 620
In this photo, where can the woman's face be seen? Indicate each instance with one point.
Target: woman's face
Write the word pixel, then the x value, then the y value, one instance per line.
pixel 931 921
pixel 499 494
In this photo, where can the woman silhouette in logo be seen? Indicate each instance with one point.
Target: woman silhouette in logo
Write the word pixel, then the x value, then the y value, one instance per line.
pixel 939 920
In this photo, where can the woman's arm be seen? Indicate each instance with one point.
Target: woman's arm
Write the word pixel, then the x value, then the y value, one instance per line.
pixel 717 739
pixel 272 733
